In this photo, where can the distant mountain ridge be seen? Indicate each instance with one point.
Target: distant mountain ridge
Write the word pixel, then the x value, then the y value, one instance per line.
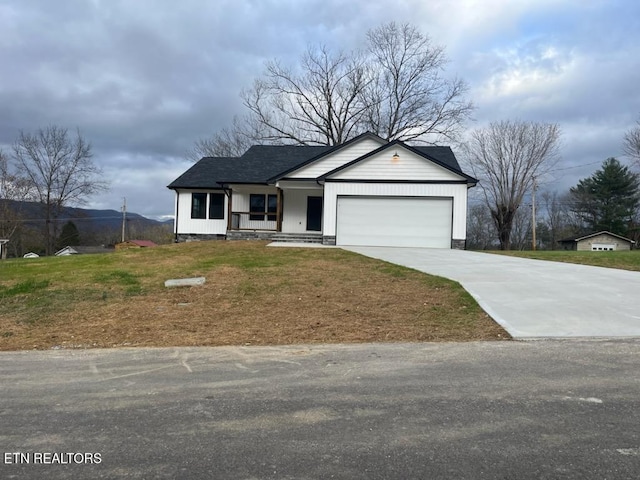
pixel 33 212
pixel 95 226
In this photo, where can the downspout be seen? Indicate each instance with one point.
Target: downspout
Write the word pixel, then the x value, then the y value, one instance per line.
pixel 175 224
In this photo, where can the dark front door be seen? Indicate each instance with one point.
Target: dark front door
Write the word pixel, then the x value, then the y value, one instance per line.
pixel 314 214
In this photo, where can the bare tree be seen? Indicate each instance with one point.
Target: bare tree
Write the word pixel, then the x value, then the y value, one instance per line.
pixel 409 98
pixel 507 157
pixel 481 234
pixel 13 190
pixel 60 172
pixel 229 142
pixel 320 105
pixel 521 231
pixel 556 216
pixel 631 143
pixel 394 87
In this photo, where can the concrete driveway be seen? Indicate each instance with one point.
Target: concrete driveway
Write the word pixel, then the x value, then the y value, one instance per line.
pixel 534 298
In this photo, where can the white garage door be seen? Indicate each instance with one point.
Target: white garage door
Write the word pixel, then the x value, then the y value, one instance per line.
pixel 394 221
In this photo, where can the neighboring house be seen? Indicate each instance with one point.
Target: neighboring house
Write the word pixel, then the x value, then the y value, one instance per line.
pixel 596 242
pixel 135 244
pixel 66 251
pixel 31 255
pixel 364 192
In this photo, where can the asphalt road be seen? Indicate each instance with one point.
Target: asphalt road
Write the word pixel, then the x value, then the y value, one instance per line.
pixel 508 410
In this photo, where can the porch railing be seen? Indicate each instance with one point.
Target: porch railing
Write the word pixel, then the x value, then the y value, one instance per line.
pixel 254 221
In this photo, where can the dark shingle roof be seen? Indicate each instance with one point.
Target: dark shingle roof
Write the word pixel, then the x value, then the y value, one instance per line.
pixel 257 165
pixel 205 173
pixel 262 163
pixel 443 154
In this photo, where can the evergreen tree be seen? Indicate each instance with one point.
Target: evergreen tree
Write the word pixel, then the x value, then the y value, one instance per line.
pixel 70 236
pixel 607 200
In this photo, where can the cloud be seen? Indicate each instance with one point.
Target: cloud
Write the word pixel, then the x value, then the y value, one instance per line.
pixel 144 79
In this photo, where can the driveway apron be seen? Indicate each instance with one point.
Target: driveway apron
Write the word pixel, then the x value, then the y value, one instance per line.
pixel 534 298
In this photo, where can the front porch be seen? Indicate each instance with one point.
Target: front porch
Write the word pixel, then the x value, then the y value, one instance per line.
pixel 258 211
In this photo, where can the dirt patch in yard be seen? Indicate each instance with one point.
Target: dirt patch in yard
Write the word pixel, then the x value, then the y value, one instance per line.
pixel 253 295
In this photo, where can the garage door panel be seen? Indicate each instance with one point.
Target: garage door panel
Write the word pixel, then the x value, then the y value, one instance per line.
pixel 394 221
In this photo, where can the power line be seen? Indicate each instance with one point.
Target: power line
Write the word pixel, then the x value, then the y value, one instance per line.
pixel 577 166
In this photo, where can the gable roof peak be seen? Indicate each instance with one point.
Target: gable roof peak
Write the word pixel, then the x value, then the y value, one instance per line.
pixel 442 156
pixel 595 234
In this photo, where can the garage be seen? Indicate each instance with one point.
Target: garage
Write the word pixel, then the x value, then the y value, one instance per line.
pixel 394 221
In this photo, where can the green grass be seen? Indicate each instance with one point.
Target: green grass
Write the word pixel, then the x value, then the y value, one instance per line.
pixel 55 282
pixel 624 260
pixel 23 288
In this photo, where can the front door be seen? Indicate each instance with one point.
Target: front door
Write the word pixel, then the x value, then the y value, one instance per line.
pixel 314 214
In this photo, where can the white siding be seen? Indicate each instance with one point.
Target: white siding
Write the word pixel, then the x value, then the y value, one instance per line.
pixel 337 159
pixel 295 209
pixel 457 192
pixel 407 166
pixel 184 224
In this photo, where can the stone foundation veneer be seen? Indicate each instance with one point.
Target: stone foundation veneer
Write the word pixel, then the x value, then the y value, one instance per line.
pixel 329 240
pixel 249 235
pixel 196 237
pixel 458 244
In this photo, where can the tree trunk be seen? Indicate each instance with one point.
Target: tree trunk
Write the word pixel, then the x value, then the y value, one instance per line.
pixel 503 218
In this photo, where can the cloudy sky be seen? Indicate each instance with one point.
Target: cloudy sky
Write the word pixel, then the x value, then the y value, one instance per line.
pixel 143 79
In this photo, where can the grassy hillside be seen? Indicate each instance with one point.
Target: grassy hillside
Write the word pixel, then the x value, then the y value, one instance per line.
pixel 253 295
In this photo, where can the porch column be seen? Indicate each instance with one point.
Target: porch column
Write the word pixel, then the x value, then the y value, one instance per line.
pixel 279 211
pixel 229 209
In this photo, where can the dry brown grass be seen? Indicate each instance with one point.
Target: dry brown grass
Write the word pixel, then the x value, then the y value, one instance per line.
pixel 254 295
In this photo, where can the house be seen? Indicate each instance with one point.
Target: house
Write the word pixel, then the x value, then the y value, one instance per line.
pixel 31 255
pixel 599 241
pixel 66 251
pixel 366 191
pixel 135 244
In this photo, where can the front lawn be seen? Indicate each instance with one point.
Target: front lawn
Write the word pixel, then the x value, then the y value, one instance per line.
pixel 253 295
pixel 629 260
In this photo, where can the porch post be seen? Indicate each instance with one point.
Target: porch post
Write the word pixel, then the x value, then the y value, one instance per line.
pixel 229 209
pixel 279 211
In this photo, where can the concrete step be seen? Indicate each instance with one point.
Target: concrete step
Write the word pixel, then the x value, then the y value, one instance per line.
pixel 298 237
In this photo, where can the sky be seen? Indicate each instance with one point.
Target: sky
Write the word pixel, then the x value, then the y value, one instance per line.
pixel 144 79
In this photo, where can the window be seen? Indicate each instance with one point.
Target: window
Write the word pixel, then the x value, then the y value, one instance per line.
pixel 216 206
pixel 256 204
pixel 198 205
pixel 272 207
pixel 263 203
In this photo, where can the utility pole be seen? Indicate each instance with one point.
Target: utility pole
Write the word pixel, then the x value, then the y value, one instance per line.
pixel 124 216
pixel 533 215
